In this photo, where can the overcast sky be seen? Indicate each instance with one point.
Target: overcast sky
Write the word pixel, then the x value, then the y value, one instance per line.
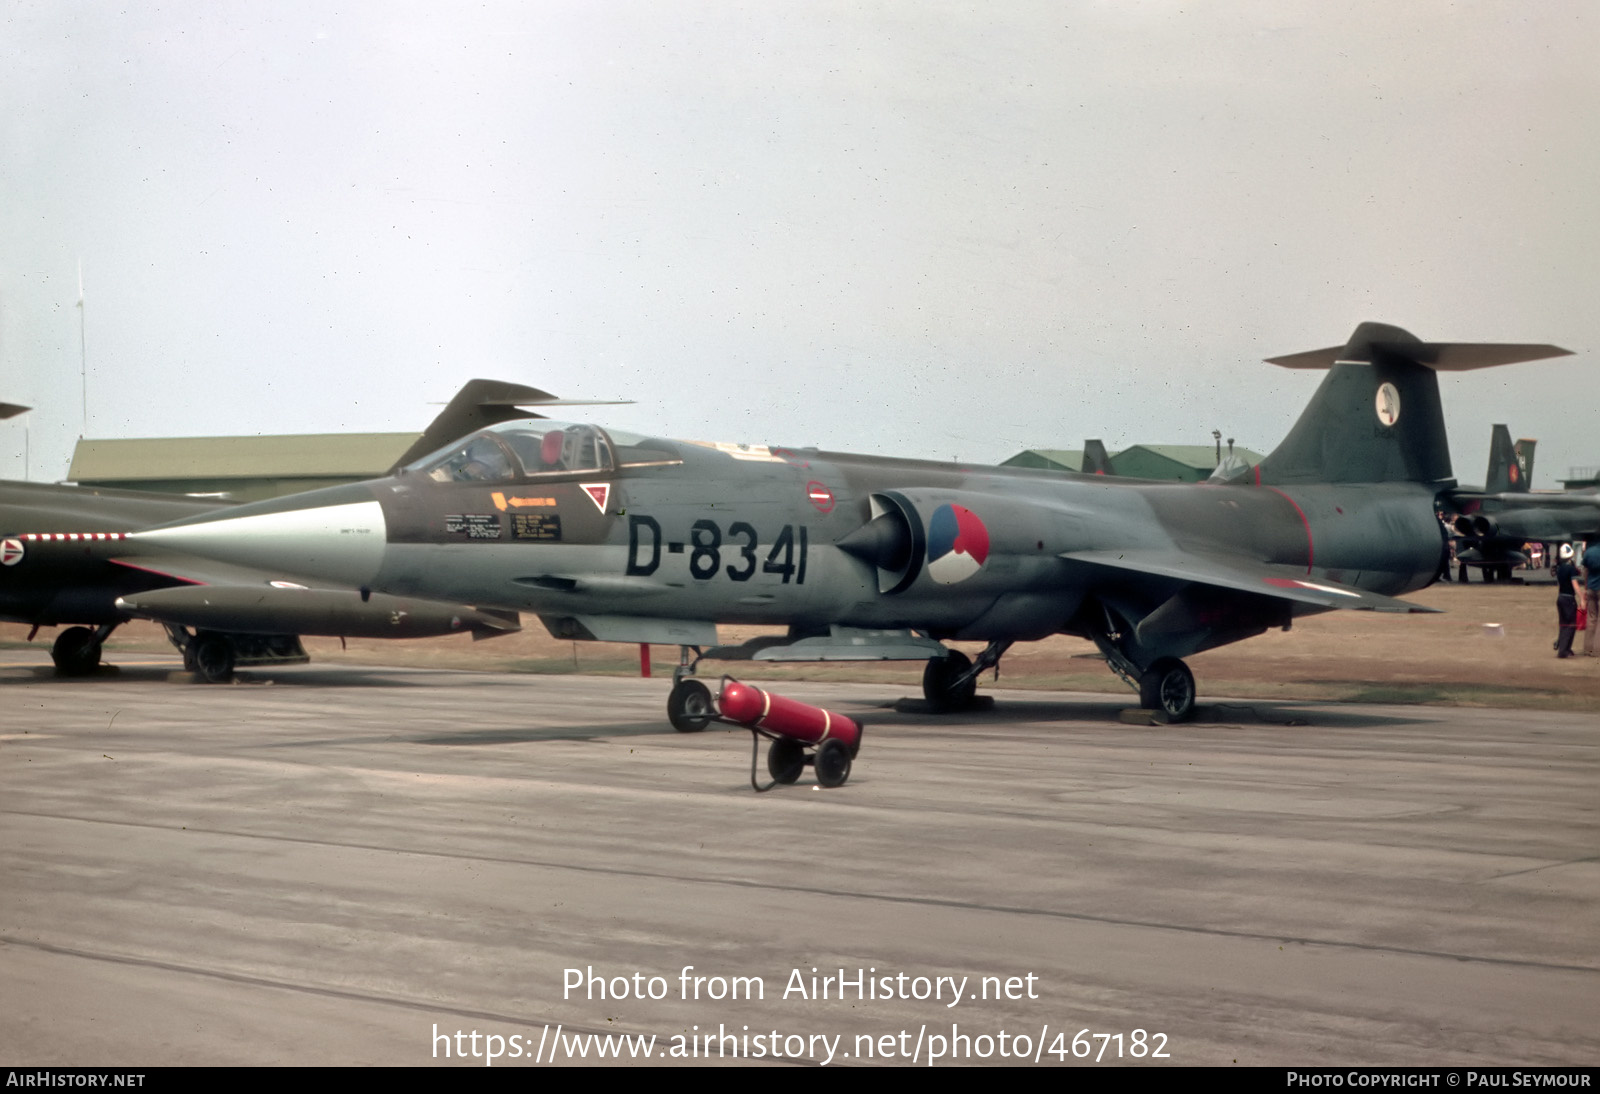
pixel 925 229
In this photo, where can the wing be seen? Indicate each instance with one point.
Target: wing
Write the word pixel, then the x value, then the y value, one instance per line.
pixel 1290 583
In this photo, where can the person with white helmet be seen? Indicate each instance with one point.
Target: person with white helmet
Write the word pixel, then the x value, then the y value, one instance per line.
pixel 1566 600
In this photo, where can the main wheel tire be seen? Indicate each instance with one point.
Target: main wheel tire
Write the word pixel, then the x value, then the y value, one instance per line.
pixel 75 652
pixel 1168 686
pixel 689 707
pixel 213 658
pixel 938 682
pixel 832 763
pixel 785 760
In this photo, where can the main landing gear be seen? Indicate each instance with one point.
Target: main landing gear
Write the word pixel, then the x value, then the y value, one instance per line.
pixel 950 683
pixel 210 657
pixel 1165 686
pixel 1168 686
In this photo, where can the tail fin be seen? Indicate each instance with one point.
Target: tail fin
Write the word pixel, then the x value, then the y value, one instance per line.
pixel 1503 474
pixel 1095 459
pixel 1377 416
pixel 1510 465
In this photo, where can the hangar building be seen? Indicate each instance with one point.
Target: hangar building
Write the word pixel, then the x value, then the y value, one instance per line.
pixel 1170 462
pixel 238 468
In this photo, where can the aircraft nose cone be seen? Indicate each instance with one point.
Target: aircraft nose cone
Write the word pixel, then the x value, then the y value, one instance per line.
pixel 343 543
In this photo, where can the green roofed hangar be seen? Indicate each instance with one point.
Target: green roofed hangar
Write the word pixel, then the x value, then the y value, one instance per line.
pixel 237 468
pixel 1165 462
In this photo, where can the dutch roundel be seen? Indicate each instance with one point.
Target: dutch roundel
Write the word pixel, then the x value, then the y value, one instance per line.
pixel 958 544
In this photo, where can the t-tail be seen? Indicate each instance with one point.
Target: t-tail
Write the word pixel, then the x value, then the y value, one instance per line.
pixel 1377 416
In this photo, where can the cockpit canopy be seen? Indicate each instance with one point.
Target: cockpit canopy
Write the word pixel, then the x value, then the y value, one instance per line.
pixel 537 449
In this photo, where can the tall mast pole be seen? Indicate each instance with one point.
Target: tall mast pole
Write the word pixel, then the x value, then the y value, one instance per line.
pixel 83 353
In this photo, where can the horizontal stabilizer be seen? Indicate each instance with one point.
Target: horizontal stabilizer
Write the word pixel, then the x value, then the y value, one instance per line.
pixel 1439 356
pixel 1377 416
pixel 1278 582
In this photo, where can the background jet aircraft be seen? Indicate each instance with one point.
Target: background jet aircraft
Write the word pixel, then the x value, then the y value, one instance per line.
pixel 1510 471
pixel 625 538
pixel 217 616
pixel 1496 522
pixel 68 583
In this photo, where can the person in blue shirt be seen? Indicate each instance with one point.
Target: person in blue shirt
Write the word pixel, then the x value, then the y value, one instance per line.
pixel 1591 600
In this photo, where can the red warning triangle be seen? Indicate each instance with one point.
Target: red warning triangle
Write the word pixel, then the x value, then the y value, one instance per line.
pixel 599 493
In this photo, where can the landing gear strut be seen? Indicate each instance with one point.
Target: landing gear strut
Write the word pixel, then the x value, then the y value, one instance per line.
pixel 1166 685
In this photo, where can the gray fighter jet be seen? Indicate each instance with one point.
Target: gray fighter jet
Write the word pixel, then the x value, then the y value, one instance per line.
pixel 624 538
pixel 1510 472
pixel 1507 513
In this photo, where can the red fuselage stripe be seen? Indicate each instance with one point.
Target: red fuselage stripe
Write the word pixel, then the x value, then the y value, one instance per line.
pixel 1311 552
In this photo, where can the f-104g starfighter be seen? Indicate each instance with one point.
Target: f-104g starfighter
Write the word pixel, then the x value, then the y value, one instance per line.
pixel 616 537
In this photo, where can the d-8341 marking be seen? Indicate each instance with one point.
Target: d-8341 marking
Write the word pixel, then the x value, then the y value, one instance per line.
pixel 786 557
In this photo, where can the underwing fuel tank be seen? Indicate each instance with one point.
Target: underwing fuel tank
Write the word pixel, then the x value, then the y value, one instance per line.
pixel 335 613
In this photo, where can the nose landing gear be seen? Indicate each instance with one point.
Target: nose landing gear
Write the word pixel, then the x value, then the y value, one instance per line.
pixel 76 650
pixel 689 706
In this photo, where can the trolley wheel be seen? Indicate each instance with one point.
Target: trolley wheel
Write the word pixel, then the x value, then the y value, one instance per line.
pixel 785 760
pixel 832 763
pixel 938 682
pixel 689 706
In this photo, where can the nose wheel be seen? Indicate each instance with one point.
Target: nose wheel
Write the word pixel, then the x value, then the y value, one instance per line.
pixel 689 706
pixel 76 652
